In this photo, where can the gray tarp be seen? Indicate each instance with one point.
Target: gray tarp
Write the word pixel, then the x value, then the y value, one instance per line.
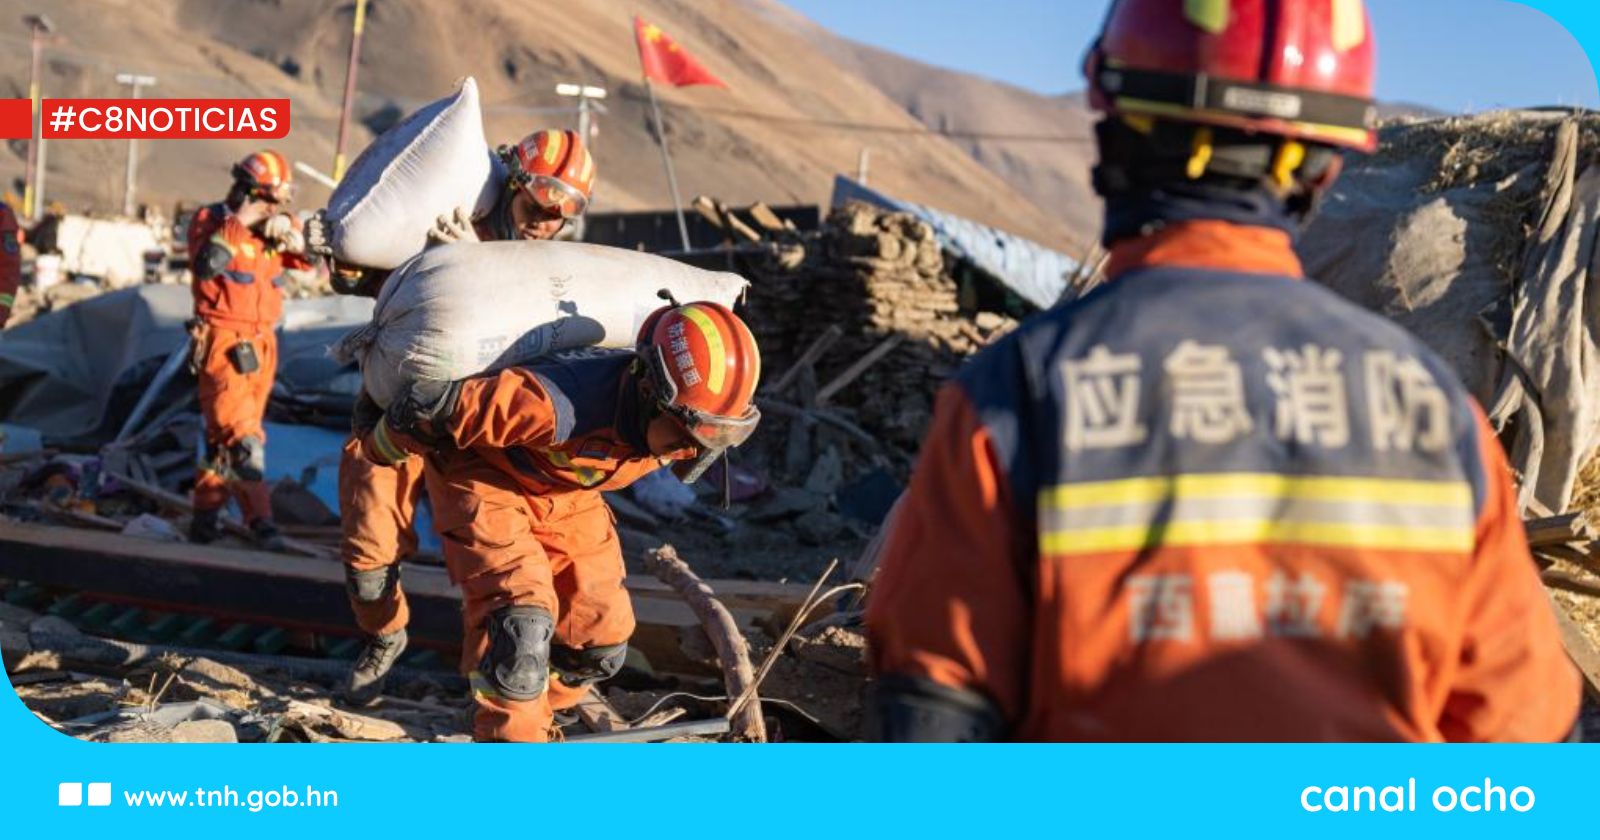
pixel 73 373
pixel 1430 233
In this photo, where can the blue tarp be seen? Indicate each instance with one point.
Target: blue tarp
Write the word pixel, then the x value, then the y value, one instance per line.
pixel 1036 273
pixel 310 455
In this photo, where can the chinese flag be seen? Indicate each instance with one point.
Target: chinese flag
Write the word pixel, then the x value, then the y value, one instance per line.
pixel 666 62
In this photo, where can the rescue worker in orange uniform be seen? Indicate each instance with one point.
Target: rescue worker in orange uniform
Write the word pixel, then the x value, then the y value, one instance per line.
pixel 551 179
pixel 10 261
pixel 517 461
pixel 239 250
pixel 1210 500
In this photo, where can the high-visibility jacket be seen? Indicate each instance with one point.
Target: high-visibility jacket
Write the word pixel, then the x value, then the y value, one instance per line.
pixel 553 425
pixel 1213 501
pixel 246 292
pixel 10 261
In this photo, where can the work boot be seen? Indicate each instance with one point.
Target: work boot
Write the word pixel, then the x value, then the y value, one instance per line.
pixel 267 535
pixel 373 666
pixel 205 526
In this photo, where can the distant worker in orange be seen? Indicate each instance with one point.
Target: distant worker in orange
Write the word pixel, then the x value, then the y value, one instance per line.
pixel 1210 500
pixel 239 250
pixel 517 461
pixel 551 178
pixel 10 261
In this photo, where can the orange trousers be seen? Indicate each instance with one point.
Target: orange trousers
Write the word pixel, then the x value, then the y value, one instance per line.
pixel 504 547
pixel 233 405
pixel 378 511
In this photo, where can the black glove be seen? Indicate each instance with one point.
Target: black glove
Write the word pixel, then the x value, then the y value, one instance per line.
pixel 366 413
pixel 318 235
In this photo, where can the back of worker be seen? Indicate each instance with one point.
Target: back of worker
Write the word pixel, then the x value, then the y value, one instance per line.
pixel 1232 527
pixel 1210 500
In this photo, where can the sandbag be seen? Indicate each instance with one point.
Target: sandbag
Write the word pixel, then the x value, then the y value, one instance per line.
pixel 426 166
pixel 469 308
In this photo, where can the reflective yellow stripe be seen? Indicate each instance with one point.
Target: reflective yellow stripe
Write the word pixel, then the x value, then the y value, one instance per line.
pixel 1349 24
pixel 1195 534
pixel 217 239
pixel 716 354
pixel 387 449
pixel 1256 485
pixel 1260 508
pixel 1351 135
pixel 1210 15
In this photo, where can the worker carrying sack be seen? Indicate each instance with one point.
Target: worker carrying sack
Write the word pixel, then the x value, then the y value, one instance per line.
pixel 425 167
pixel 469 308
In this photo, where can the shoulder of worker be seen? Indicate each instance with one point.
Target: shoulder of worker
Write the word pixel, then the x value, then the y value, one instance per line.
pixel 578 392
pixel 583 387
pixel 8 217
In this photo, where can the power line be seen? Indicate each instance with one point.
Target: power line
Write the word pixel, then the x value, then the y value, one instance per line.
pixel 879 128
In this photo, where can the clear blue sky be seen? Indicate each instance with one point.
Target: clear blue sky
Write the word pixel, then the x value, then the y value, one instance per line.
pixel 1452 55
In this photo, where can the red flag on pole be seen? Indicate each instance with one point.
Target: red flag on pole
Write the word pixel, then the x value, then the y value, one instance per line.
pixel 666 62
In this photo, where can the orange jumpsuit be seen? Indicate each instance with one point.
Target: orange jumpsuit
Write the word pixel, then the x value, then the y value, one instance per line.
pixel 241 302
pixel 378 513
pixel 516 494
pixel 1283 519
pixel 10 261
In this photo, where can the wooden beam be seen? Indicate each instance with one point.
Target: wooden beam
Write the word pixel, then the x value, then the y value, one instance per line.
pixel 1580 650
pixel 851 373
pixel 309 593
pixel 1555 530
pixel 173 501
pixel 818 346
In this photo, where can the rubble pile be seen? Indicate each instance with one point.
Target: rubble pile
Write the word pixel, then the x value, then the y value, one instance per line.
pixel 878 277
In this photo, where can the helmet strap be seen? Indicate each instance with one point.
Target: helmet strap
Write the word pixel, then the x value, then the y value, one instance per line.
pixel 1168 171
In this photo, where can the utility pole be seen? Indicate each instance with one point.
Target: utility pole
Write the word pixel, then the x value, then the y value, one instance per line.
pixel 138 83
pixel 40 26
pixel 862 159
pixel 349 88
pixel 587 102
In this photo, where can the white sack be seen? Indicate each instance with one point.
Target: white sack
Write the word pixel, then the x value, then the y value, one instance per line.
pixel 426 166
pixel 460 310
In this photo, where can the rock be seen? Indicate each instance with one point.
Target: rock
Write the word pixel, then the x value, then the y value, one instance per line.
pixel 203 732
pixel 787 503
pixel 989 320
pixel 51 627
pixel 826 474
pixel 819 527
pixel 151 527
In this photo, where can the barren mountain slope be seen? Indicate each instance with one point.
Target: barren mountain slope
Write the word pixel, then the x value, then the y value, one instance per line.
pixel 759 140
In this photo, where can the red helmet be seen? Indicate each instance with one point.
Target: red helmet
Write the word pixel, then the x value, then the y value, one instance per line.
pixel 1301 69
pixel 555 169
pixel 701 366
pixel 266 174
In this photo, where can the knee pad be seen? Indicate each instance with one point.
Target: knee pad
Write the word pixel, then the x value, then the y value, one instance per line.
pixel 373 585
pixel 583 666
pixel 249 458
pixel 518 662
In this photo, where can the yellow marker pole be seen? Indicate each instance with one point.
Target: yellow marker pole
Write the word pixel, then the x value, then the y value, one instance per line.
pixel 349 89
pixel 37 46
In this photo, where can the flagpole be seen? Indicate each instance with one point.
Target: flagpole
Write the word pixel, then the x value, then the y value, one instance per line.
pixel 666 162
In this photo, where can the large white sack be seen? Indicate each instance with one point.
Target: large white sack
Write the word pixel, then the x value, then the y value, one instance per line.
pixel 460 310
pixel 426 166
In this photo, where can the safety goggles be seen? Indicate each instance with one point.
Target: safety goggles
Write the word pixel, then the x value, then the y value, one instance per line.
pixel 710 431
pixel 283 193
pixel 556 196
